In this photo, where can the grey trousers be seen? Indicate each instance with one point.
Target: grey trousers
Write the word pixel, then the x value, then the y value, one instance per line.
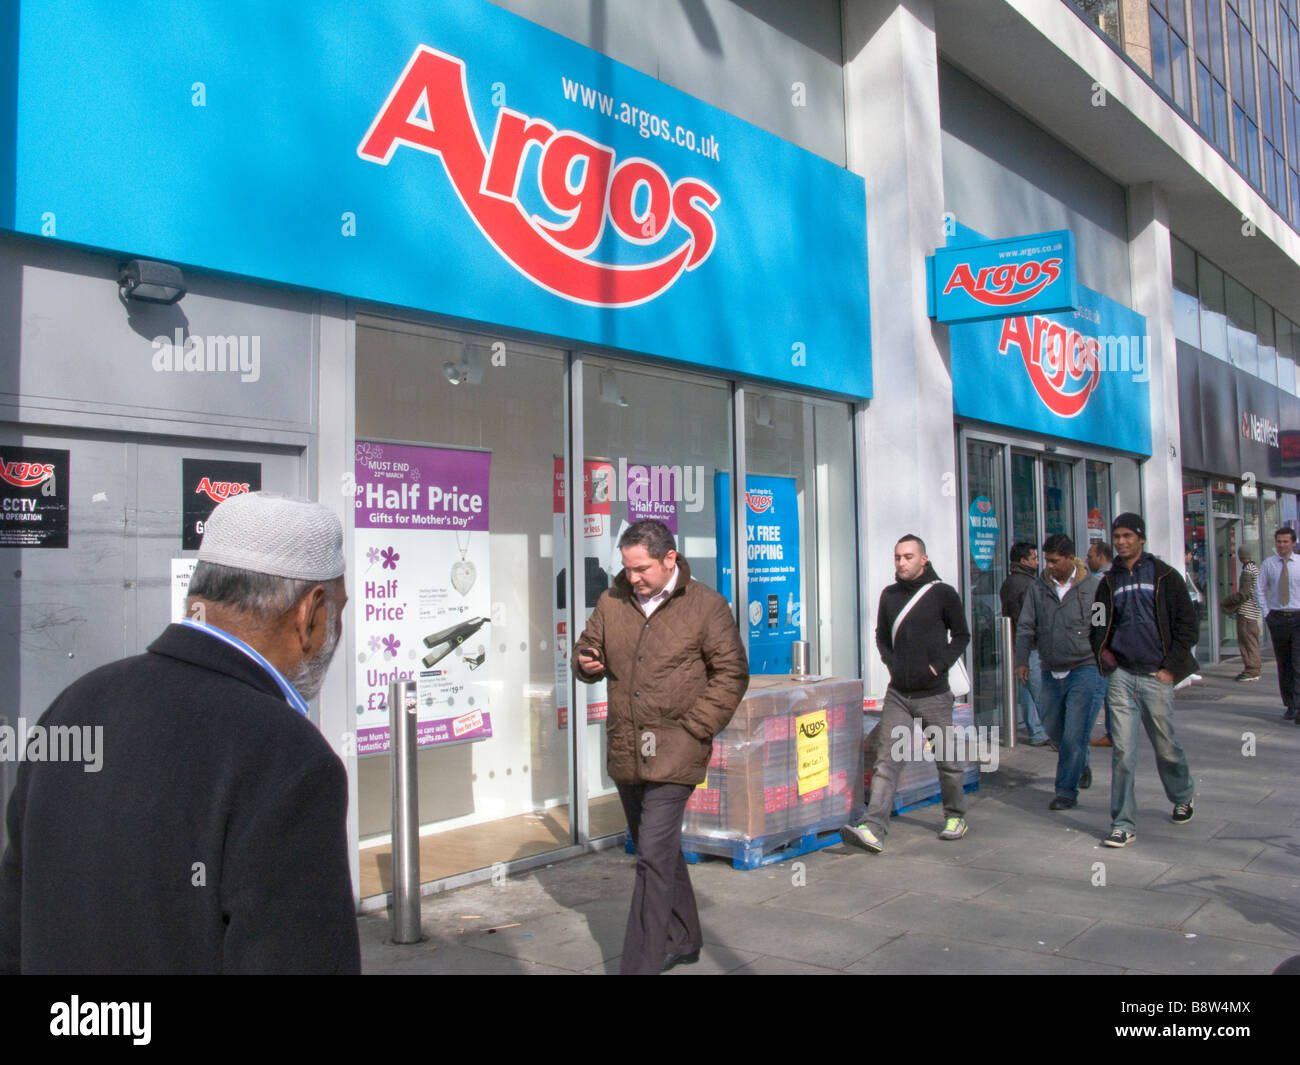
pixel 899 711
pixel 662 919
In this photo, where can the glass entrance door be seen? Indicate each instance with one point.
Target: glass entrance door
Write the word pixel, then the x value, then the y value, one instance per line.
pixel 986 569
pixel 1227 539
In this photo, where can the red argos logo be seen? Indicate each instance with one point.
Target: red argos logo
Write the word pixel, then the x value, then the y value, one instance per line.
pixel 759 500
pixel 218 491
pixel 1062 363
pixel 26 474
pixel 429 109
pixel 1005 285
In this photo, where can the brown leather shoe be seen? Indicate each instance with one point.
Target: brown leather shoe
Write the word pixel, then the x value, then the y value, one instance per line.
pixel 1103 742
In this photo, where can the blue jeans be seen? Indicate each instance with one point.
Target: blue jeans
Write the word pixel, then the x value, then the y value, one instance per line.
pixel 1098 701
pixel 1028 696
pixel 1133 697
pixel 1067 716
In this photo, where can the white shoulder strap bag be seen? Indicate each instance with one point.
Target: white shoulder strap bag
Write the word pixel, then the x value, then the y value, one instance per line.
pixel 958 680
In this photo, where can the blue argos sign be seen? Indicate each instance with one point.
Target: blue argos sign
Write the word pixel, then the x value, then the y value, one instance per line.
pixel 447 156
pixel 1082 375
pixel 994 278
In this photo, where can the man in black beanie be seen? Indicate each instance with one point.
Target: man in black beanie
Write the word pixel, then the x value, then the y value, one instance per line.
pixel 1144 629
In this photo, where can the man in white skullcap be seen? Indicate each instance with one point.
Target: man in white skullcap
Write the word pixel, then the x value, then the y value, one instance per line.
pixel 211 835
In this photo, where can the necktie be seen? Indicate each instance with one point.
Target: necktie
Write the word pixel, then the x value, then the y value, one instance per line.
pixel 1284 587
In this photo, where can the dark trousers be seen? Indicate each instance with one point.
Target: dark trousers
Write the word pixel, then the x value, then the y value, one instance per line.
pixel 663 919
pixel 1285 630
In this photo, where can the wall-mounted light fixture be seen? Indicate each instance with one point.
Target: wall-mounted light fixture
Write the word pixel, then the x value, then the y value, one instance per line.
pixel 150 282
pixel 764 415
pixel 468 371
pixel 609 392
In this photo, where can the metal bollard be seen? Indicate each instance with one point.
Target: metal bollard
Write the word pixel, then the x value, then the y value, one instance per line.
pixel 403 707
pixel 799 658
pixel 1009 684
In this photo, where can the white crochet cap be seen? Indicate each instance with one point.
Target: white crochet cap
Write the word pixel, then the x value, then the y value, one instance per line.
pixel 275 534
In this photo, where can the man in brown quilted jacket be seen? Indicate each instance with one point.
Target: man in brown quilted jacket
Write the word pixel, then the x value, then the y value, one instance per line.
pixel 676 670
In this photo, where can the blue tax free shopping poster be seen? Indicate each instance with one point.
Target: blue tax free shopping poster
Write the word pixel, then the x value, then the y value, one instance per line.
pixel 774 604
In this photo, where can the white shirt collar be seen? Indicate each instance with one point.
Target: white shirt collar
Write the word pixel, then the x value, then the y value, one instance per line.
pixel 651 603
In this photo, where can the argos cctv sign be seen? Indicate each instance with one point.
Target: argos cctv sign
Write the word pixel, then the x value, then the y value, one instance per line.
pixel 447 156
pixel 991 279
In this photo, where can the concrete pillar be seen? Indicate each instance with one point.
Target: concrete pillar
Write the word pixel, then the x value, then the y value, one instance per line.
pixel 336 347
pixel 1151 265
pixel 909 480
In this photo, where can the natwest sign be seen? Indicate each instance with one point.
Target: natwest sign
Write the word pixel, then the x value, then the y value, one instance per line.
pixel 1259 429
pixel 580 180
pixel 1033 274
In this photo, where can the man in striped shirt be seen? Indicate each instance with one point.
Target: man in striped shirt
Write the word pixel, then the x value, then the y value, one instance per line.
pixel 1248 618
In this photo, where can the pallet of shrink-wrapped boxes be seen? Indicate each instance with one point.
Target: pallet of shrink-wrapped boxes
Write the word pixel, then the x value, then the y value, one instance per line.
pixel 784 775
pixel 918 783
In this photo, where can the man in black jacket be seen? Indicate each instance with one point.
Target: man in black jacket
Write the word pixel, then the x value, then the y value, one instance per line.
pixel 212 837
pixel 1029 692
pixel 920 632
pixel 1144 629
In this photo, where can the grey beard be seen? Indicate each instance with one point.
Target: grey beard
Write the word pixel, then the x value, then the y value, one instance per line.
pixel 309 674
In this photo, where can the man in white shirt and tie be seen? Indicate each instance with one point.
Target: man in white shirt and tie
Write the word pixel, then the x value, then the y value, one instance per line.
pixel 1278 591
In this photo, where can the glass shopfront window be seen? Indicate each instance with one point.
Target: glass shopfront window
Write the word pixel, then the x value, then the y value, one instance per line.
pixel 1097 476
pixel 478 610
pixel 482 417
pixel 1195 538
pixel 799 455
pixel 658 440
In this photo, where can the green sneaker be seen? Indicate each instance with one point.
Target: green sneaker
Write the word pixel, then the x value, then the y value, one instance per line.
pixel 953 828
pixel 861 836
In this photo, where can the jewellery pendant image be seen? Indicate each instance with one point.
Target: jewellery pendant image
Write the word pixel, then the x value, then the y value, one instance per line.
pixel 463 572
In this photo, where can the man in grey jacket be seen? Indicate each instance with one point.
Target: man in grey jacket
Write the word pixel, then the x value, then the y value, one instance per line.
pixel 1056 618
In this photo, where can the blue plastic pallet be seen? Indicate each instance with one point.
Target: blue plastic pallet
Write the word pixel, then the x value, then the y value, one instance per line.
pixel 753 853
pixel 756 853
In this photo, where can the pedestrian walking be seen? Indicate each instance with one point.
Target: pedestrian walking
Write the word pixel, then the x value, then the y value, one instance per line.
pixel 1143 633
pixel 921 632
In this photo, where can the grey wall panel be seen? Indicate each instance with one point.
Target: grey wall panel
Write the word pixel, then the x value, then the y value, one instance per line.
pixel 63 611
pixel 743 57
pixel 83 350
pixel 157 516
pixel 1004 176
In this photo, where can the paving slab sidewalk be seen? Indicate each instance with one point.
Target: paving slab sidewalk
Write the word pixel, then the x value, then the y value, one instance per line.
pixel 1027 890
